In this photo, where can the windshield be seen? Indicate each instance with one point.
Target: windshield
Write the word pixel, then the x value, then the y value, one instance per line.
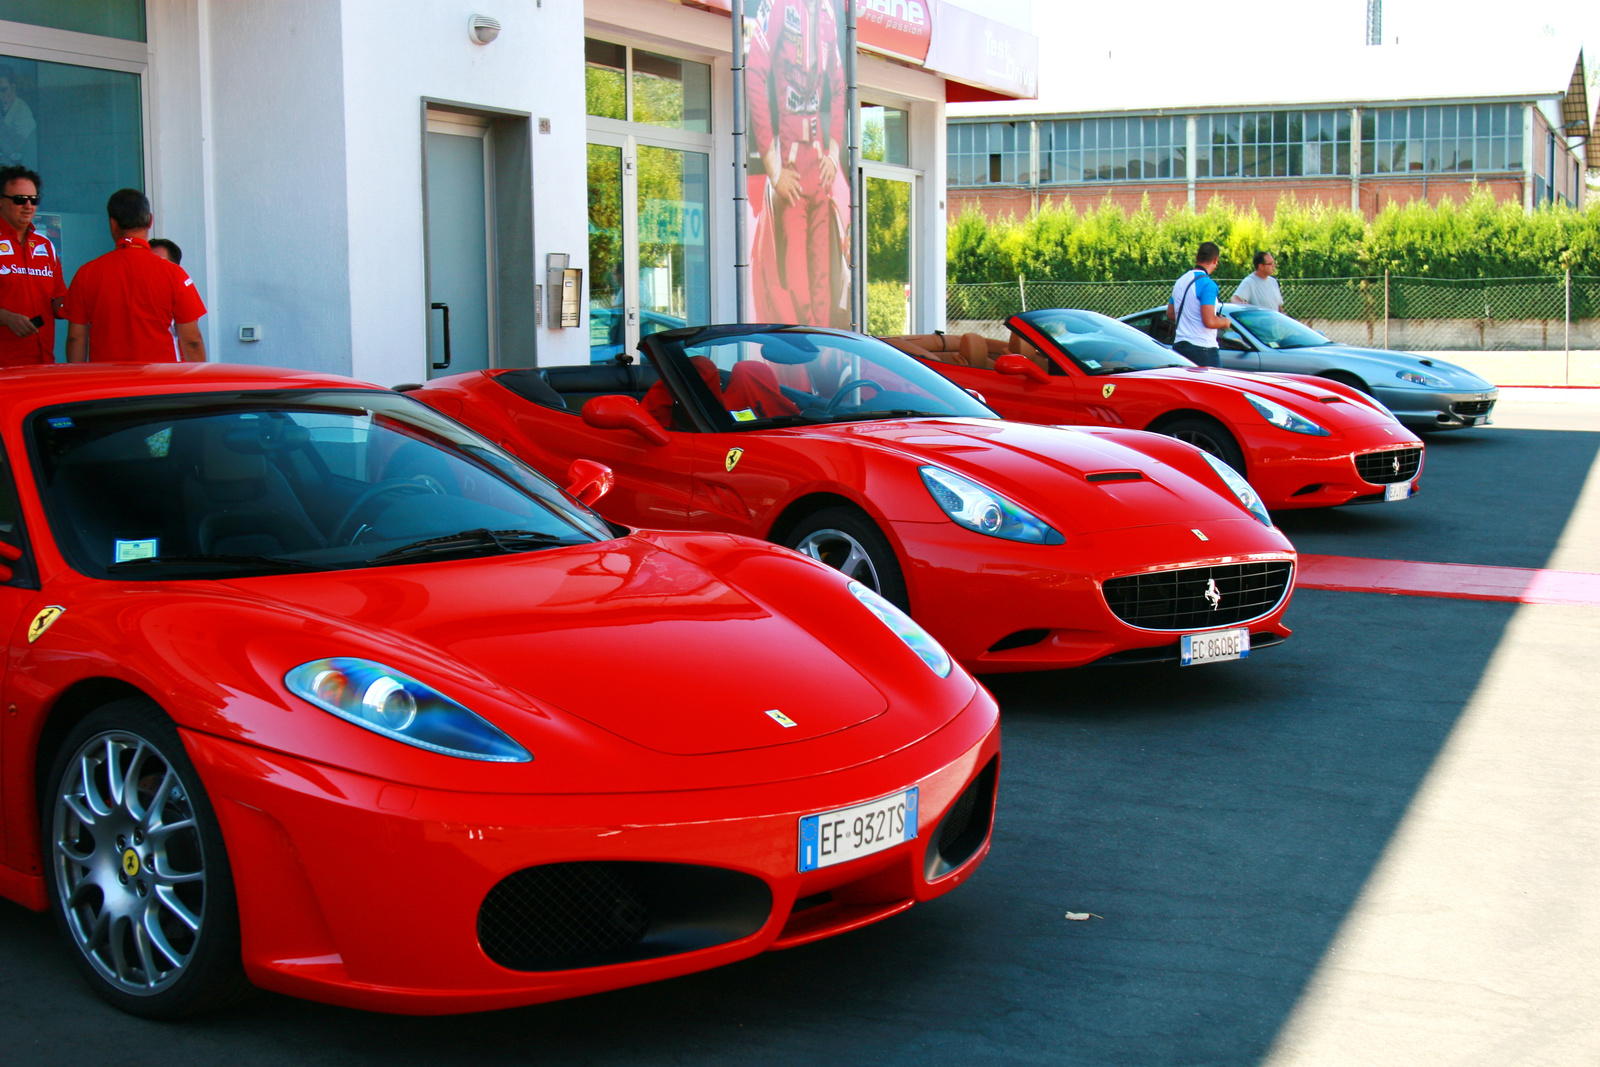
pixel 1099 344
pixel 223 485
pixel 754 377
pixel 1277 330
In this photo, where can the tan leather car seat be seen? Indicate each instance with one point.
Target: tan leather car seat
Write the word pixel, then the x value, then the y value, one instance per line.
pixel 1023 347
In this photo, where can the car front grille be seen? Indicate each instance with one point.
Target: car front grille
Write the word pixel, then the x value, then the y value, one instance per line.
pixel 1198 598
pixel 1466 409
pixel 1390 465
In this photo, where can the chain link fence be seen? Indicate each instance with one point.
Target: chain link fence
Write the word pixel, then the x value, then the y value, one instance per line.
pixel 1552 313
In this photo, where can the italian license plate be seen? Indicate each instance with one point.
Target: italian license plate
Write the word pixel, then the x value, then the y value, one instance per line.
pixel 850 833
pixel 1397 491
pixel 1476 420
pixel 1215 646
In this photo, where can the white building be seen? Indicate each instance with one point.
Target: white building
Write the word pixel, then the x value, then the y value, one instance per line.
pixel 333 169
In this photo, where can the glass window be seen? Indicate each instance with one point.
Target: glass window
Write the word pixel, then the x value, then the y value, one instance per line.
pixel 104 18
pixel 884 135
pixel 607 332
pixel 1441 139
pixel 1099 344
pixel 82 129
pixel 671 92
pixel 605 74
pixel 674 197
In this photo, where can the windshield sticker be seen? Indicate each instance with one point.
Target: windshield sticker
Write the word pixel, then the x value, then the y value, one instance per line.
pixel 746 415
pixel 131 550
pixel 62 423
pixel 159 443
pixel 1092 364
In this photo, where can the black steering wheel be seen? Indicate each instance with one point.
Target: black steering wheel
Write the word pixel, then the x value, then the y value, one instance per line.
pixel 849 387
pixel 343 534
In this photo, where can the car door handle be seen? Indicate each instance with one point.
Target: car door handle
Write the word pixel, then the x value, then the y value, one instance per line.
pixel 446 309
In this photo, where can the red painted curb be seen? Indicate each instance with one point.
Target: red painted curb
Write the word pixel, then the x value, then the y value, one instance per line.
pixel 1460 581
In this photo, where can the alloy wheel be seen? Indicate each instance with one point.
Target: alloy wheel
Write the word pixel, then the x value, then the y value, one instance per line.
pixel 843 553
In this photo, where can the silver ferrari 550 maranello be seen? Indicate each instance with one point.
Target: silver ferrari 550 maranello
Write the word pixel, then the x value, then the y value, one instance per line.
pixel 1424 394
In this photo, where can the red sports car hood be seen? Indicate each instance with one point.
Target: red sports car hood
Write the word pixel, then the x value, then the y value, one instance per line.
pixel 625 635
pixel 1045 469
pixel 1326 406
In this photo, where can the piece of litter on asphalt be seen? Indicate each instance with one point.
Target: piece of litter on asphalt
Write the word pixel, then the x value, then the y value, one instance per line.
pixel 1083 916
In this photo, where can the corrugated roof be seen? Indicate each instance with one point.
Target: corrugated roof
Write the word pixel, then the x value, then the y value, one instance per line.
pixel 1324 76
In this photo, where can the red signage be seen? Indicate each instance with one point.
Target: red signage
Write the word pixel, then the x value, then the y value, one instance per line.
pixel 899 28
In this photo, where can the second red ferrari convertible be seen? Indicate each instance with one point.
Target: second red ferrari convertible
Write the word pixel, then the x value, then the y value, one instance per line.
pixel 1018 547
pixel 1302 442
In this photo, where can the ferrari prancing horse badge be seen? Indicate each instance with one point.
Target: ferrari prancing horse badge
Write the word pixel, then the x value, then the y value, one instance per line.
pixel 1107 389
pixel 732 459
pixel 41 622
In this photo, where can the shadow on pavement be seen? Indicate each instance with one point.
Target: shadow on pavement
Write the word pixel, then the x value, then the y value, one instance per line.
pixel 1499 498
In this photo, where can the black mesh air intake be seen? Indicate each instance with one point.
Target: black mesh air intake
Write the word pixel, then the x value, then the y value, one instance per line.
pixel 567 915
pixel 965 826
pixel 1390 465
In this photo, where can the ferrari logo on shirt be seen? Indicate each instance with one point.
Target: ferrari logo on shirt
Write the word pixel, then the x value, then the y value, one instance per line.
pixel 42 621
pixel 1107 389
pixel 731 460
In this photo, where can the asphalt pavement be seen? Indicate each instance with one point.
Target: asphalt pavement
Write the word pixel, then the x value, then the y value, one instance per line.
pixel 1374 844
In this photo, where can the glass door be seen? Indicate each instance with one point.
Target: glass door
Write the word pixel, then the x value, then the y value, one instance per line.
pixel 891 274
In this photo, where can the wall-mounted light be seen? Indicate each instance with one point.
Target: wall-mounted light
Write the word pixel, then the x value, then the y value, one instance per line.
pixel 483 29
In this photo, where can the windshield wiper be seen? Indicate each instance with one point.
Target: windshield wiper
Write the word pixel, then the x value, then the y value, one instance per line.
pixel 888 413
pixel 465 540
pixel 278 563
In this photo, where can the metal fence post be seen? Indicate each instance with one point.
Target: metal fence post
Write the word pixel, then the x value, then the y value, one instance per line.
pixel 1386 308
pixel 1566 331
pixel 1022 292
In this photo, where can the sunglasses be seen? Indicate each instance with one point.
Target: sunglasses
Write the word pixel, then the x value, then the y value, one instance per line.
pixel 19 198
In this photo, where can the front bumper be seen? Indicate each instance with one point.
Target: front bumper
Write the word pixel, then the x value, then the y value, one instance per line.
pixel 1034 607
pixel 364 893
pixel 1440 409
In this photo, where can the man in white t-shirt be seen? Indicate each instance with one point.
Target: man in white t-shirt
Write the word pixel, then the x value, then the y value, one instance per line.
pixel 1193 309
pixel 1260 288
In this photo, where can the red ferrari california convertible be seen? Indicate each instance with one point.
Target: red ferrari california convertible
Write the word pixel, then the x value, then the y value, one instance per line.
pixel 312 688
pixel 1303 442
pixel 1018 547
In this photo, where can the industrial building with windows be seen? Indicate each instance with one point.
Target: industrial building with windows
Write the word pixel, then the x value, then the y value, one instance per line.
pixel 1364 128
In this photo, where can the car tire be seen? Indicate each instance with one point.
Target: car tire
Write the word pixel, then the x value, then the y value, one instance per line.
pixel 1208 435
pixel 138 878
pixel 849 541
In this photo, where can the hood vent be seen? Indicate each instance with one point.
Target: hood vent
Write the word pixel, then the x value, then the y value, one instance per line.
pixel 1115 476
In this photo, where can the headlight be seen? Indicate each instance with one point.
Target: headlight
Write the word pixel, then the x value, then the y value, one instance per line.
pixel 1241 488
pixel 1417 377
pixel 397 706
pixel 906 629
pixel 982 511
pixel 1283 418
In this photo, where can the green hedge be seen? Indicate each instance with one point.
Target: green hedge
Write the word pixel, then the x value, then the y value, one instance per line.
pixel 1476 239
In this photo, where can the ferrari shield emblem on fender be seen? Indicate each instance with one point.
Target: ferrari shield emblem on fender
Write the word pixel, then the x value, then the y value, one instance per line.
pixel 42 621
pixel 732 459
pixel 1107 389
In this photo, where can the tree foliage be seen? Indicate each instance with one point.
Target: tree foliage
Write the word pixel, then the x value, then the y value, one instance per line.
pixel 1479 238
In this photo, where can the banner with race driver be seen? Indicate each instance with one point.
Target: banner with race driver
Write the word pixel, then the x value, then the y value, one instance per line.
pixel 796 90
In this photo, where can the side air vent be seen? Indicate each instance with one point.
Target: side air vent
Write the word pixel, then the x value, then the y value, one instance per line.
pixel 1115 476
pixel 965 827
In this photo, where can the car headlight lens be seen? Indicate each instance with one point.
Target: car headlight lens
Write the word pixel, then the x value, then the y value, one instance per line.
pixel 1241 488
pixel 906 629
pixel 398 706
pixel 1417 377
pixel 1283 418
pixel 983 511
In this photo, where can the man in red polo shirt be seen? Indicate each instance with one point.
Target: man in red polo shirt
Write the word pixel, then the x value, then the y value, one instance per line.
pixel 122 306
pixel 31 287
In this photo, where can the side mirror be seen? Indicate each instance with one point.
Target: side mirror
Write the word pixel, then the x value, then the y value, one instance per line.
pixel 589 481
pixel 1021 367
pixel 623 413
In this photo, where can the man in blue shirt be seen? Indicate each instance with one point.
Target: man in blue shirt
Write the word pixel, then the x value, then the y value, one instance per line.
pixel 1193 309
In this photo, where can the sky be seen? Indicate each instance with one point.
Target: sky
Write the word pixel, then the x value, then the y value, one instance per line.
pixel 1251 38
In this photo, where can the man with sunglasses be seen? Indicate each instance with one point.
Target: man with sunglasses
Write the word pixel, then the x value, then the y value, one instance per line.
pixel 32 289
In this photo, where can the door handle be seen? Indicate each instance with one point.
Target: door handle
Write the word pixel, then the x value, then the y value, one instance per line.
pixel 446 309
